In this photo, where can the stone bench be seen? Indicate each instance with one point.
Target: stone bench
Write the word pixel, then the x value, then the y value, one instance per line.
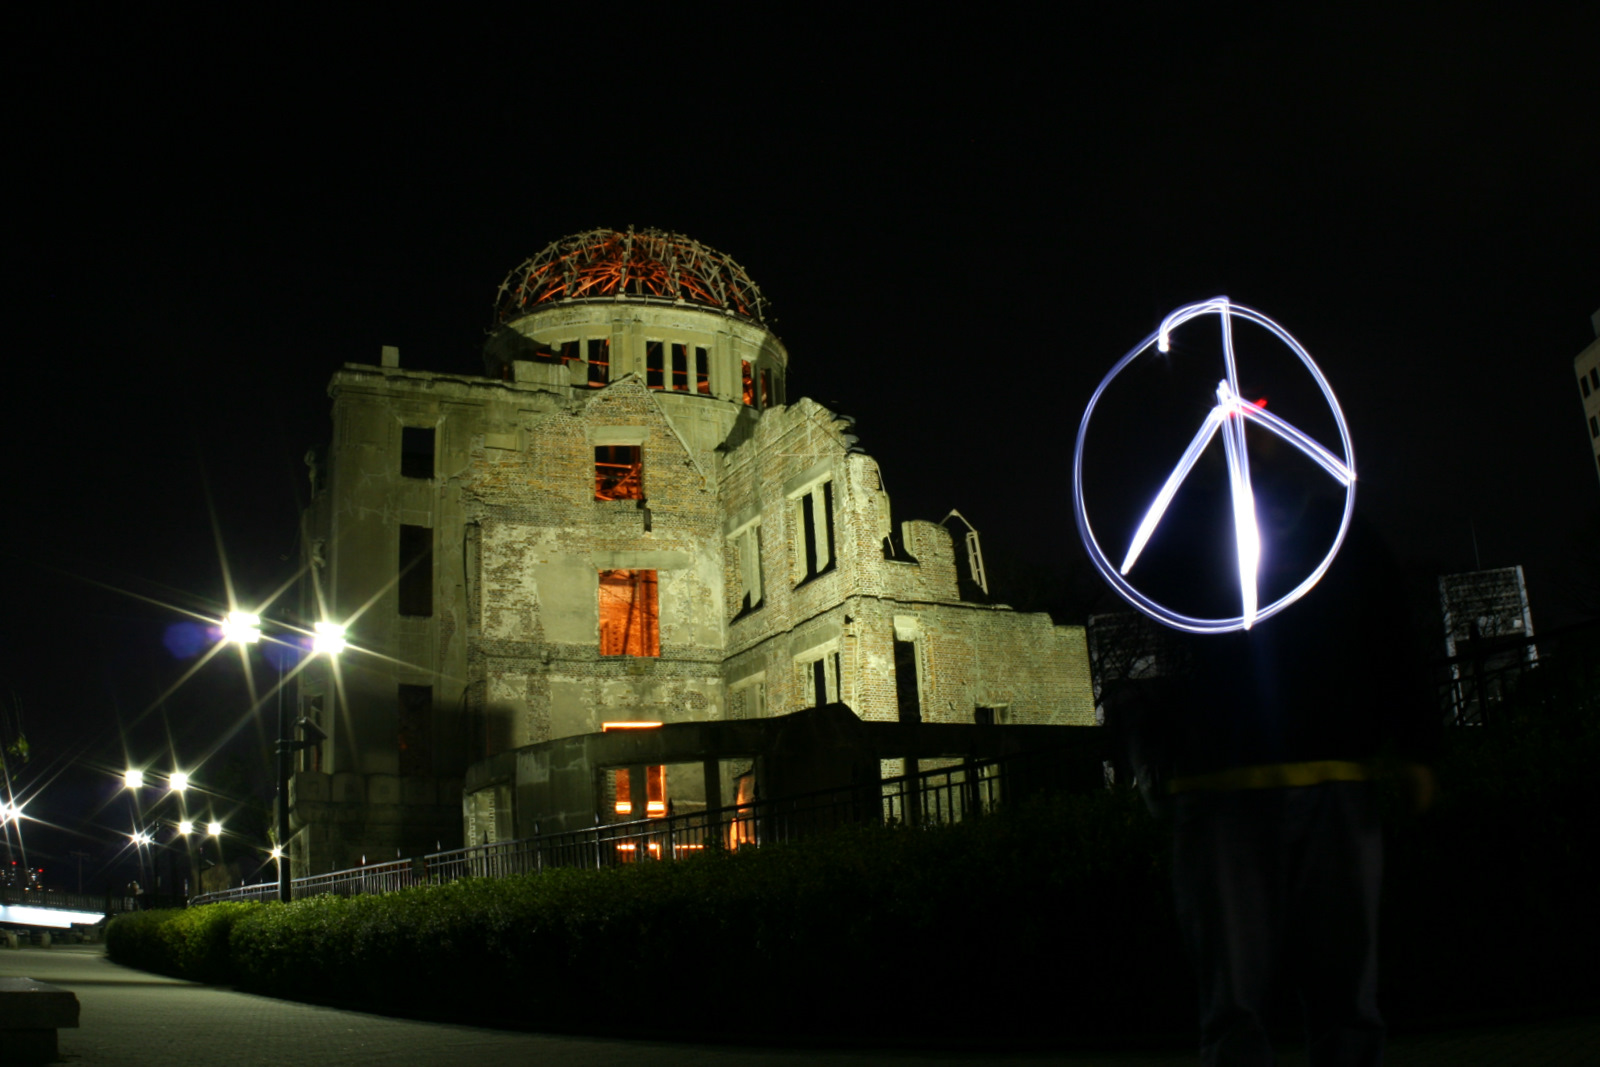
pixel 30 1013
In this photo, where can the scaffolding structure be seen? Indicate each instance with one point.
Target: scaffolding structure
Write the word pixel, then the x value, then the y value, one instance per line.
pixel 649 265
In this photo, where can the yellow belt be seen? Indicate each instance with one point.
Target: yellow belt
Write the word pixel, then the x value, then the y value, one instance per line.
pixel 1273 776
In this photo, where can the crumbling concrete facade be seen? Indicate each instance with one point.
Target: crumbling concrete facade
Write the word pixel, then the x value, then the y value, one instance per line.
pixel 623 521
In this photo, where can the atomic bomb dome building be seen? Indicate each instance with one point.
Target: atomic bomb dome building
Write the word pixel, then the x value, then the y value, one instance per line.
pixel 597 582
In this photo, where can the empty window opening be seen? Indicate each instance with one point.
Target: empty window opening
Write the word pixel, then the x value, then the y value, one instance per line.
pixel 748 700
pixel 1594 377
pixel 1594 427
pixel 655 784
pixel 416 570
pixel 1583 380
pixel 820 680
pixel 907 690
pixel 680 368
pixel 748 546
pixel 815 517
pixel 654 369
pixel 748 386
pixel 629 618
pixel 618 472
pixel 766 387
pixel 599 361
pixel 990 716
pixel 569 351
pixel 702 371
pixel 416 451
pixel 415 734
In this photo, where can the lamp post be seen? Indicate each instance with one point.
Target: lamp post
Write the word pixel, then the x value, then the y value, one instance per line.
pixel 328 639
pixel 186 828
pixel 135 780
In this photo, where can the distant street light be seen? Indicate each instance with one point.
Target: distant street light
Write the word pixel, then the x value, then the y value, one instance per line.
pixel 178 782
pixel 132 778
pixel 214 829
pixel 186 827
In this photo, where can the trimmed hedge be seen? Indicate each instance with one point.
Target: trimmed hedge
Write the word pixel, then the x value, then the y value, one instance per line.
pixel 1035 919
pixel 190 943
pixel 1050 921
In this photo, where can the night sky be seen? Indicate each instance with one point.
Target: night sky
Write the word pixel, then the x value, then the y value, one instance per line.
pixel 960 225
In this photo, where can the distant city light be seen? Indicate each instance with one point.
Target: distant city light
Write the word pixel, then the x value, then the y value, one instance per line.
pixel 178 782
pixel 214 829
pixel 133 778
pixel 1229 415
pixel 186 827
pixel 241 628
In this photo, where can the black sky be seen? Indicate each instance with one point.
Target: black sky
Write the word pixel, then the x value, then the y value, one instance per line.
pixel 961 221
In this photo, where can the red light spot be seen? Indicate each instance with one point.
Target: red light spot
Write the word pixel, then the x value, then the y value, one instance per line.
pixel 1262 403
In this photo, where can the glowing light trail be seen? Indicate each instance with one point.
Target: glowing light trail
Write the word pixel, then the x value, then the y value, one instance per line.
pixel 1229 415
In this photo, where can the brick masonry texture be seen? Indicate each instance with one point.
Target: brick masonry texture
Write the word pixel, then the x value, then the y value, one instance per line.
pixel 511 648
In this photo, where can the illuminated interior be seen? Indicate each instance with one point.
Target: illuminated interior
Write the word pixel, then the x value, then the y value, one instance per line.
pixel 655 785
pixel 618 472
pixel 629 620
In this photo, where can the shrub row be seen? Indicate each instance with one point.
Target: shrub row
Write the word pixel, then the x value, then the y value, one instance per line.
pixel 1035 919
pixel 1047 920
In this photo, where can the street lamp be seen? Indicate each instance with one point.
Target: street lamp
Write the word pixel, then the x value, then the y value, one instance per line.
pixel 178 782
pixel 133 778
pixel 328 638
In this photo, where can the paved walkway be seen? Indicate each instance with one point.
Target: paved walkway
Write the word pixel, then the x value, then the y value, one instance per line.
pixel 134 1019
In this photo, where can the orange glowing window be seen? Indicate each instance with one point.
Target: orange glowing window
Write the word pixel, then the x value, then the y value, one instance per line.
pixel 702 372
pixel 655 364
pixel 618 472
pixel 599 361
pixel 655 785
pixel 749 383
pixel 629 620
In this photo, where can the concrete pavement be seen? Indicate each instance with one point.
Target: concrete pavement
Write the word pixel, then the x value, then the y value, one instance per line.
pixel 134 1019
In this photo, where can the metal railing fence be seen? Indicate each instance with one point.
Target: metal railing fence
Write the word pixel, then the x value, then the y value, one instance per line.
pixel 1475 687
pixel 935 796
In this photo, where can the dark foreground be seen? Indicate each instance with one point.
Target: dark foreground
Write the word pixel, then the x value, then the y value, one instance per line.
pixel 130 1019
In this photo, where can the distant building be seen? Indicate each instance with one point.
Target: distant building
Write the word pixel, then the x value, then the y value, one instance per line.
pixel 1587 367
pixel 625 522
pixel 1488 637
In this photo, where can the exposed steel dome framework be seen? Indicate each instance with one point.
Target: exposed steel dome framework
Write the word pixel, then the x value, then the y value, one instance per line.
pixel 615 264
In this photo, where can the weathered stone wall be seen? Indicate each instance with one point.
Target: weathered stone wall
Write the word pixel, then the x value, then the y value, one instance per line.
pixel 511 648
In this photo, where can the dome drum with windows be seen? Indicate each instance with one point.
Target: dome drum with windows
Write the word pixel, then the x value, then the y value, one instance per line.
pixel 606 303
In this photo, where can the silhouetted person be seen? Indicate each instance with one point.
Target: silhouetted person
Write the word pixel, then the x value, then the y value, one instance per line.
pixel 1263 746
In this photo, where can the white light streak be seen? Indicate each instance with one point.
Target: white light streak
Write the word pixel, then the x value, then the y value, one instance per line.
pixel 59 918
pixel 1229 415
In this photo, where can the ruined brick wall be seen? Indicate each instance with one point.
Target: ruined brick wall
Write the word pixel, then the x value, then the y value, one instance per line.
pixel 544 539
pixel 968 655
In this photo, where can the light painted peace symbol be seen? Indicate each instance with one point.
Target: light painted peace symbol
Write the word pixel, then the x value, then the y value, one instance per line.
pixel 1228 416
